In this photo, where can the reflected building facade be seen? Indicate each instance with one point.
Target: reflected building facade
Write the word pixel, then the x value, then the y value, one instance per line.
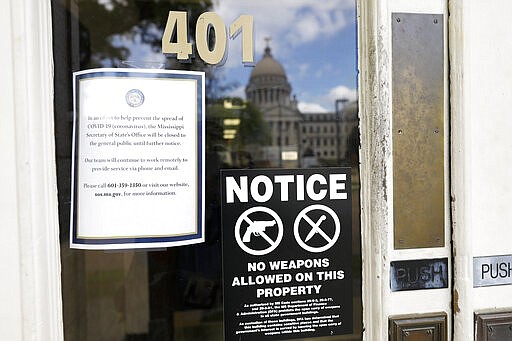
pixel 298 139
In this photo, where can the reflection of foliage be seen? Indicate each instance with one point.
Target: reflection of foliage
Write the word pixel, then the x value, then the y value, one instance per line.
pixel 135 20
pixel 252 130
pixel 213 131
pixel 111 30
pixel 215 86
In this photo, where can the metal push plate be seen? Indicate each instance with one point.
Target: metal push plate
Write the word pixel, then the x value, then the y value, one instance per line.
pixel 418 130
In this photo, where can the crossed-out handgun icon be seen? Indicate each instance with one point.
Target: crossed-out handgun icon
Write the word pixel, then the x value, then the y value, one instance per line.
pixel 255 222
pixel 257 228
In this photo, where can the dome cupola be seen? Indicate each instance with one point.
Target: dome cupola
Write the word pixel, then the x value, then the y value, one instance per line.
pixel 268 66
pixel 268 84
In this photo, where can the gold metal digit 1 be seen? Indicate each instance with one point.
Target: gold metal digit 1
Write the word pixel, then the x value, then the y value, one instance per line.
pixel 244 24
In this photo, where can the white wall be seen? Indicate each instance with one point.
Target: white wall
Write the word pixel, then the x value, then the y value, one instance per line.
pixel 481 54
pixel 29 253
pixel 10 296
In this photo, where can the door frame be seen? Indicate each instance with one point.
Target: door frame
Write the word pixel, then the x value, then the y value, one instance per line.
pixel 30 251
pixel 376 162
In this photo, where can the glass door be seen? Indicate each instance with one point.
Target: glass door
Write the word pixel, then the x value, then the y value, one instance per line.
pixel 294 107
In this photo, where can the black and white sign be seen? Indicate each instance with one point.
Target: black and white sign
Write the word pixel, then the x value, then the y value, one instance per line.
pixel 286 253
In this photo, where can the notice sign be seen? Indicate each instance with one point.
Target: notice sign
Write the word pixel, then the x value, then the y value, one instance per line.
pixel 138 159
pixel 286 253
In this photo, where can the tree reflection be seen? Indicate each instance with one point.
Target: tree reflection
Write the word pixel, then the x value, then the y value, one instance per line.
pixel 113 31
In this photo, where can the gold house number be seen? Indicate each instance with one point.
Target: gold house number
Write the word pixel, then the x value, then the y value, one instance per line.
pixel 177 28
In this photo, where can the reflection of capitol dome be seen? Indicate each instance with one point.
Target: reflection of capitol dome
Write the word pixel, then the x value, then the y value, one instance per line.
pixel 298 139
pixel 268 85
pixel 268 66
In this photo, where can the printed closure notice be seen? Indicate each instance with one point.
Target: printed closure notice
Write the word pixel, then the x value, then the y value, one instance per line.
pixel 138 159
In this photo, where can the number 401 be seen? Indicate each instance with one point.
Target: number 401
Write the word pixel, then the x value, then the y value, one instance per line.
pixel 207 22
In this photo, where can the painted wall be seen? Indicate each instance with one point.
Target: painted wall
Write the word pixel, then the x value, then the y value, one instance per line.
pixel 10 293
pixel 29 255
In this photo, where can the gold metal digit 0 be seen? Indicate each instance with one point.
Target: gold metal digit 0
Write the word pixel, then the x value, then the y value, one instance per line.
pixel 205 23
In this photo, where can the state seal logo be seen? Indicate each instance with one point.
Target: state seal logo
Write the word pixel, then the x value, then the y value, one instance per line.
pixel 134 98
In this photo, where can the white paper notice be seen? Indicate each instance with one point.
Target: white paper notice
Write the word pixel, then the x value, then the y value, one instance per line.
pixel 138 163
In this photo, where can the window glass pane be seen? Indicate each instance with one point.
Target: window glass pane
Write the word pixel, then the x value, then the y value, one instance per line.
pixel 304 79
